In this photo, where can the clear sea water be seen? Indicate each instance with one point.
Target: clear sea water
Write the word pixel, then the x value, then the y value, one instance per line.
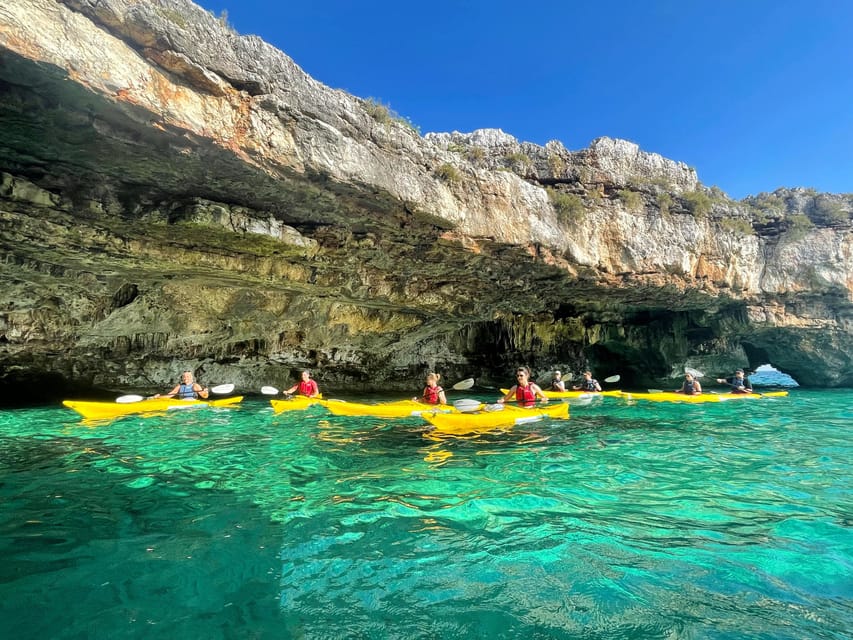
pixel 724 521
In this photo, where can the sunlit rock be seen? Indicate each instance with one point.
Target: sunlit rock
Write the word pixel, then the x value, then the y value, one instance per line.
pixel 176 195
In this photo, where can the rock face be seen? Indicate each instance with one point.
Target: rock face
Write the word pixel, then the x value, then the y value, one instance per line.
pixel 173 194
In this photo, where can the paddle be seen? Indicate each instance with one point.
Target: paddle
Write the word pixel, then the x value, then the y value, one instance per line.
pixel 272 391
pixel 467 405
pixel 222 388
pixel 462 385
pixel 129 398
pixel 219 390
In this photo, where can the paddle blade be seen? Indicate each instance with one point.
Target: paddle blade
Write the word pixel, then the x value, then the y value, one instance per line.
pixel 129 398
pixel 269 391
pixel 463 384
pixel 223 388
pixel 615 378
pixel 467 405
pixel 493 407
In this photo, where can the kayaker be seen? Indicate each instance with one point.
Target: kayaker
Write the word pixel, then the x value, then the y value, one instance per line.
pixel 557 383
pixel 186 389
pixel 524 392
pixel 305 387
pixel 588 383
pixel 690 386
pixel 433 394
pixel 738 382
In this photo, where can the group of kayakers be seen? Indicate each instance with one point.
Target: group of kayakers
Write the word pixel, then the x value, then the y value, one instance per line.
pixel 739 383
pixel 525 391
pixel 189 389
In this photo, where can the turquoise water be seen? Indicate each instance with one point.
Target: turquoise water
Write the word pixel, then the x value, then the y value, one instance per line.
pixel 644 520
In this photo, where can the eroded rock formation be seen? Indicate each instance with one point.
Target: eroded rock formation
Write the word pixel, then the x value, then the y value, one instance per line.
pixel 174 194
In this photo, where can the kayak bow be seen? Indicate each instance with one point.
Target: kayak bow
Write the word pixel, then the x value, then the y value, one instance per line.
pixel 296 403
pixel 507 416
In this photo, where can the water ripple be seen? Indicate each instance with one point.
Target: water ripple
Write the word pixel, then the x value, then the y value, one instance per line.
pixel 627 521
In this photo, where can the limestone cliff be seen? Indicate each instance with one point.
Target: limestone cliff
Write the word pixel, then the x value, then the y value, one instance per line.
pixel 175 194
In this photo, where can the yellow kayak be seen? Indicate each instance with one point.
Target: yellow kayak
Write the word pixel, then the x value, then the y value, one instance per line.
pixel 296 403
pixel 509 415
pixel 396 409
pixel 106 410
pixel 668 396
pixel 564 395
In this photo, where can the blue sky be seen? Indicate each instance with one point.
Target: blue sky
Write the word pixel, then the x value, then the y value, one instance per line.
pixel 754 94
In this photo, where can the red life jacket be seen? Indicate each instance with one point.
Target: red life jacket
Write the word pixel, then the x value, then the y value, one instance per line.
pixel 431 394
pixel 525 395
pixel 307 388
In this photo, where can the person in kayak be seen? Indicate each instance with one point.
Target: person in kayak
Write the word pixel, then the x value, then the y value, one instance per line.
pixel 433 394
pixel 186 389
pixel 690 386
pixel 305 387
pixel 738 382
pixel 588 383
pixel 524 392
pixel 557 383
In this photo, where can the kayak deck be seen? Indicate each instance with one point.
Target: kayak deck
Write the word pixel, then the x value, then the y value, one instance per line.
pixel 106 410
pixel 667 396
pixel 395 409
pixel 296 403
pixel 506 416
